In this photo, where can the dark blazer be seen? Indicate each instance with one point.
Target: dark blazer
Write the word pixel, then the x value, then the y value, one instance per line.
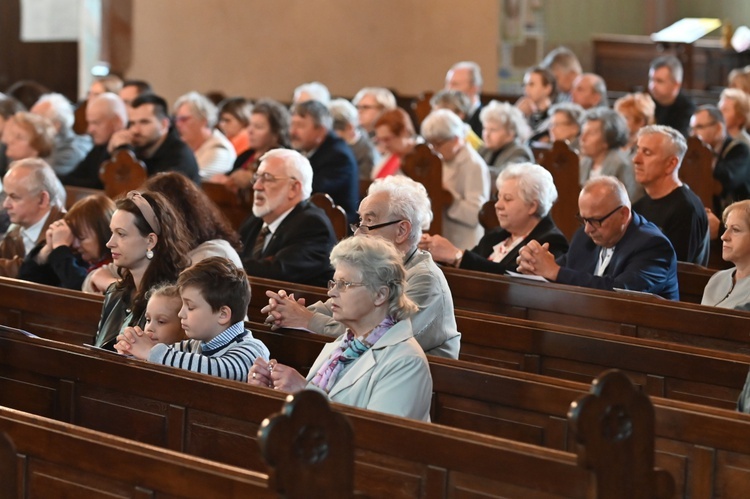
pixel 173 155
pixel 643 260
pixel 64 268
pixel 474 122
pixel 677 115
pixel 733 171
pixel 86 173
pixel 545 232
pixel 297 252
pixel 335 173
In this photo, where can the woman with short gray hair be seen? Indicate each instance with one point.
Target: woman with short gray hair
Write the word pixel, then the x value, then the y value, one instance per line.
pixel 376 364
pixel 526 193
pixel 604 134
pixel 465 177
pixel 504 132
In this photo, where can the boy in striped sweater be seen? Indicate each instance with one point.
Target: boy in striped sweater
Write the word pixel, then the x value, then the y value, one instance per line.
pixel 215 295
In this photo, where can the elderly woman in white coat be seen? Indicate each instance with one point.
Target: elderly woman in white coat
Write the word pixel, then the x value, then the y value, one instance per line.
pixel 465 176
pixel 376 364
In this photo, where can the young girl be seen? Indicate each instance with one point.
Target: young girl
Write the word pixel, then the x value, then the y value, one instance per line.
pixel 162 323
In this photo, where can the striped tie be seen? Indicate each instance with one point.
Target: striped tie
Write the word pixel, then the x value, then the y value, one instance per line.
pixel 260 241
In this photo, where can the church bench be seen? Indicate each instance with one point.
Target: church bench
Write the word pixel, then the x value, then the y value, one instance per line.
pixel 218 419
pixel 604 311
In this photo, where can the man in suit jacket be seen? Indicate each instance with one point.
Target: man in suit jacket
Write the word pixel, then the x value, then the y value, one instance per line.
pixel 287 237
pixel 616 247
pixel 335 169
pixel 35 198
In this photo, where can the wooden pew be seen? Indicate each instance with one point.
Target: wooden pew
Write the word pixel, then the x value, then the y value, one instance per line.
pixel 237 207
pixel 335 213
pixel 426 168
pixel 62 460
pixel 692 280
pixel 122 173
pixel 562 163
pixel 74 194
pixel 605 311
pixel 217 419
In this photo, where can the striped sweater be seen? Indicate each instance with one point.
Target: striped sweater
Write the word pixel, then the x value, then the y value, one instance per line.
pixel 229 355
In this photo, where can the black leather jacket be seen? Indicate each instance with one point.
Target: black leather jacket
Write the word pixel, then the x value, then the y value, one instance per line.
pixel 114 313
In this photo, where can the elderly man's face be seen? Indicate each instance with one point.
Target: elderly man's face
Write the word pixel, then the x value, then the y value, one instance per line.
pixel 102 122
pixel 25 204
pixel 597 204
pixel 461 80
pixel 275 190
pixel 652 160
pixel 584 94
pixel 369 111
pixel 304 134
pixel 710 131
pixel 375 210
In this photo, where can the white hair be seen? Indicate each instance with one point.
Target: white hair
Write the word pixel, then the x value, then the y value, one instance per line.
pixel 42 178
pixel 535 184
pixel 316 90
pixel 296 165
pixel 343 112
pixel 200 107
pixel 443 124
pixel 382 96
pixel 407 200
pixel 115 105
pixel 60 111
pixel 474 69
pixel 507 116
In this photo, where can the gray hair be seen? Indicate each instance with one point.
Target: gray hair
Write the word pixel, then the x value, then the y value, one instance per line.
pixel 443 124
pixel 670 62
pixel 381 265
pixel 507 116
pixel 316 90
pixel 713 112
pixel 675 140
pixel 316 110
pixel 562 58
pixel 382 96
pixel 573 111
pixel 60 111
pixel 200 107
pixel 115 106
pixel 613 186
pixel 407 200
pixel 741 102
pixel 474 70
pixel 535 185
pixel 296 165
pixel 42 178
pixel 614 126
pixel 343 113
pixel 455 100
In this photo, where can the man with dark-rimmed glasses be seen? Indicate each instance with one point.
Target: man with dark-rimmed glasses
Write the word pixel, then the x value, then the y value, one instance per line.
pixel 614 248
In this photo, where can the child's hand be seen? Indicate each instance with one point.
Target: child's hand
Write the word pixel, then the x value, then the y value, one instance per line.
pixel 133 341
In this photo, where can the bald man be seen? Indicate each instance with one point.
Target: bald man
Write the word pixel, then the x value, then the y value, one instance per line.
pixel 105 114
pixel 615 248
pixel 589 91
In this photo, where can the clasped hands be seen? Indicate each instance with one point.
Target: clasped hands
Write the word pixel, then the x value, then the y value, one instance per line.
pixel 136 342
pixel 536 259
pixel 271 374
pixel 285 311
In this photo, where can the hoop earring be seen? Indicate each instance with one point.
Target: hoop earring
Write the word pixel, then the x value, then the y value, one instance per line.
pixel 149 254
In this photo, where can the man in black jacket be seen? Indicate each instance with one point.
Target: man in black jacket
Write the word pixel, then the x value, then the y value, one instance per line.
pixel 287 237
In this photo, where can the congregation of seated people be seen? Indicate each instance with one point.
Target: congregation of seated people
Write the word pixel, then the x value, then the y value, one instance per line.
pixel 637 217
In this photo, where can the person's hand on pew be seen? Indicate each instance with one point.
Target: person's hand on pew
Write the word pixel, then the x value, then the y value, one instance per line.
pixel 284 311
pixel 136 342
pixel 101 278
pixel 119 139
pixel 441 249
pixel 271 374
pixel 535 259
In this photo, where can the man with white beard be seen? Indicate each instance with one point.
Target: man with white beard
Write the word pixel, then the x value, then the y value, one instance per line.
pixel 287 237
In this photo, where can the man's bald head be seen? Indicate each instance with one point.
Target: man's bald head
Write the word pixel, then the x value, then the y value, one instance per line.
pixel 105 114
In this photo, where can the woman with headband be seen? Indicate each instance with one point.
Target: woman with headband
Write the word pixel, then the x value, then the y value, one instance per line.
pixel 149 245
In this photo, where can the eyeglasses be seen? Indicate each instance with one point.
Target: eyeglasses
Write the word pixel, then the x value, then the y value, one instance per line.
pixel 342 285
pixel 267 178
pixel 367 228
pixel 702 126
pixel 596 222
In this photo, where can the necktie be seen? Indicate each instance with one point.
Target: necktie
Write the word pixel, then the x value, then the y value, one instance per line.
pixel 260 242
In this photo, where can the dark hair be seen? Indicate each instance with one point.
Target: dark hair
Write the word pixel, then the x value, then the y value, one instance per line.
pixel 10 106
pixel 94 213
pixel 547 79
pixel 143 87
pixel 239 107
pixel 170 252
pixel 206 221
pixel 278 119
pixel 220 283
pixel 161 109
pixel 27 92
pixel 713 112
pixel 614 126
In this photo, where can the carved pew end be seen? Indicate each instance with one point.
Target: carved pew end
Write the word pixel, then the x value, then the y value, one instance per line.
pixel 309 448
pixel 614 430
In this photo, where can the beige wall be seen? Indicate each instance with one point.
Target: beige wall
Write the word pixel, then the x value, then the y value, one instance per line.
pixel 265 48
